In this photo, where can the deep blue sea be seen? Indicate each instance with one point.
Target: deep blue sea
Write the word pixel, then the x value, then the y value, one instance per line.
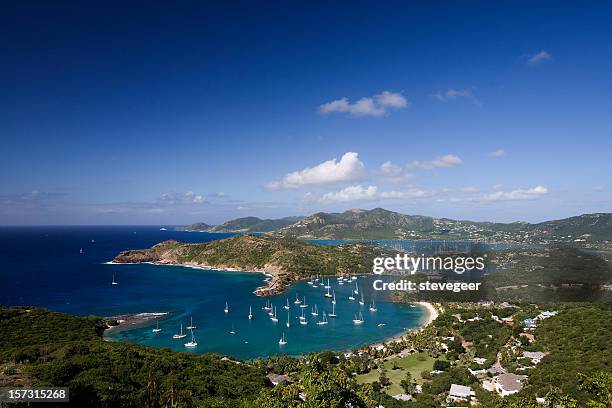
pixel 44 266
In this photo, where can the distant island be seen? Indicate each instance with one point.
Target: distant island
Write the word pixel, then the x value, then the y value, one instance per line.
pixel 587 230
pixel 286 260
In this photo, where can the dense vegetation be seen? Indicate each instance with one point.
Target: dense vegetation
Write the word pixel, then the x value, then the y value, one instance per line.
pixel 293 257
pixel 43 348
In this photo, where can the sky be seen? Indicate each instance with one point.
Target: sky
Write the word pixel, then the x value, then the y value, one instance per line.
pixel 158 113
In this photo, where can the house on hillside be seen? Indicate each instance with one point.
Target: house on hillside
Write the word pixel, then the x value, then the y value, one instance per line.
pixel 460 393
pixel 529 324
pixel 508 384
pixel 276 379
pixel 534 356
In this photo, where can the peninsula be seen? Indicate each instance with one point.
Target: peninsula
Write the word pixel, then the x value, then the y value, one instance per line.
pixel 286 260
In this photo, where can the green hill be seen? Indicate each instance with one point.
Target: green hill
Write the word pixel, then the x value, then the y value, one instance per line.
pixel 286 259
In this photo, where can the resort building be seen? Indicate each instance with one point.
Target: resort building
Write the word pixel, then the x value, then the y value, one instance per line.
pixel 534 356
pixel 529 324
pixel 276 379
pixel 508 384
pixel 460 393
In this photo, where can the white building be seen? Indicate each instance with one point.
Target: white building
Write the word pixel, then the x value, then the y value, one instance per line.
pixel 508 384
pixel 460 393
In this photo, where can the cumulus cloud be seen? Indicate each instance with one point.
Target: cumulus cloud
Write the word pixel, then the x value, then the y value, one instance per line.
pixel 375 106
pixel 187 198
pixel 351 193
pixel 453 94
pixel 538 58
pixel 501 195
pixel 447 160
pixel 393 174
pixel 370 193
pixel 498 153
pixel 470 189
pixel 348 168
pixel 410 193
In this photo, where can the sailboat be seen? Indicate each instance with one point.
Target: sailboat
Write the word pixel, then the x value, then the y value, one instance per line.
pixel 324 321
pixel 314 312
pixel 267 307
pixel 272 310
pixel 232 331
pixel 114 282
pixel 226 310
pixel 180 335
pixel 156 329
pixel 250 313
pixel 333 313
pixel 287 305
pixel 341 282
pixel 328 295
pixel 81 251
pixel 288 324
pixel 358 320
pixel 273 317
pixel 193 342
pixel 191 326
pixel 334 301
pixel 282 340
pixel 328 285
pixel 296 301
pixel 351 297
pixel 373 306
pixel 303 318
pixel 361 302
pixel 304 305
pixel 356 291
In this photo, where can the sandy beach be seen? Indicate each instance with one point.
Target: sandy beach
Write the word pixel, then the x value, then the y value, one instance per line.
pixel 432 313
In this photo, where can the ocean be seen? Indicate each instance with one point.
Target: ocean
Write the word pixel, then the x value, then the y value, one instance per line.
pixel 65 269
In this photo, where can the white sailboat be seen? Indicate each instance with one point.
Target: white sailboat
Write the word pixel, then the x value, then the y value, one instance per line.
pixel 282 340
pixel 191 325
pixel 328 295
pixel 361 302
pixel 303 319
pixel 373 306
pixel 351 297
pixel 273 317
pixel 356 291
pixel 287 305
pixel 358 320
pixel 193 342
pixel 314 312
pixel 226 310
pixel 114 282
pixel 324 321
pixel 156 329
pixel 250 313
pixel 232 331
pixel 272 310
pixel 333 313
pixel 334 301
pixel 328 286
pixel 297 301
pixel 267 307
pixel 304 305
pixel 288 324
pixel 179 335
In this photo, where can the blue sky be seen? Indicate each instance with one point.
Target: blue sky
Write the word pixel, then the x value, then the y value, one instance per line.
pixel 150 114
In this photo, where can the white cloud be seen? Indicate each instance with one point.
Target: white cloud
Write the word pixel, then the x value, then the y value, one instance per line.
pixel 470 189
pixel 351 193
pixel 538 58
pixel 452 94
pixel 391 100
pixel 498 153
pixel 447 160
pixel 375 106
pixel 390 169
pixel 182 198
pixel 410 193
pixel 349 168
pixel 501 195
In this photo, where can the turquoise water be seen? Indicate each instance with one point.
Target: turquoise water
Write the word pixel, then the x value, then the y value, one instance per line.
pixel 187 293
pixel 44 266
